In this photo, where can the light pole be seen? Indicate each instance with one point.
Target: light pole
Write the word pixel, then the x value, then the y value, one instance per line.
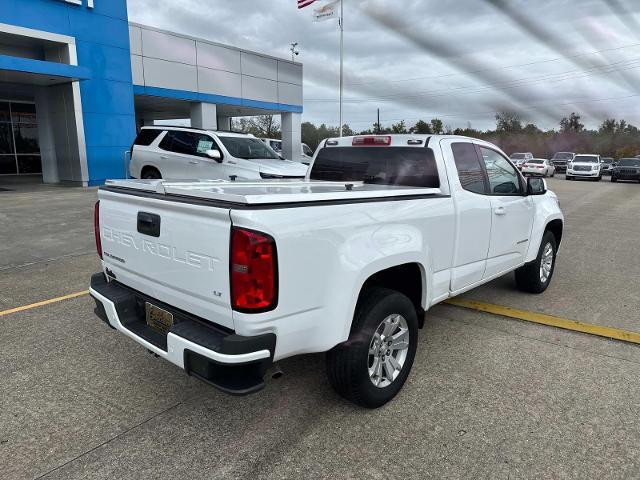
pixel 294 51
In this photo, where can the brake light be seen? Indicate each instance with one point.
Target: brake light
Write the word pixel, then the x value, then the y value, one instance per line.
pixel 253 266
pixel 96 228
pixel 372 140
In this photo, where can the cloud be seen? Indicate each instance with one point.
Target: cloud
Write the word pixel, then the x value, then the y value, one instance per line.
pixel 533 57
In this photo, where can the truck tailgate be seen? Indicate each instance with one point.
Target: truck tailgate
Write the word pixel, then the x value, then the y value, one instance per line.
pixel 175 252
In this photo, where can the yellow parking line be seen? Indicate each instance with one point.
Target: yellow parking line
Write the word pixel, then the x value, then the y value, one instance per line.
pixel 534 317
pixel 550 320
pixel 43 303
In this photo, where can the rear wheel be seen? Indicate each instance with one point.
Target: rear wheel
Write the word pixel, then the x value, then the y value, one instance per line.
pixel 151 173
pixel 370 368
pixel 535 276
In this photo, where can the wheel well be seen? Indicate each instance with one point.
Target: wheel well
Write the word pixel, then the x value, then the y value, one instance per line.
pixel 555 227
pixel 406 279
pixel 147 168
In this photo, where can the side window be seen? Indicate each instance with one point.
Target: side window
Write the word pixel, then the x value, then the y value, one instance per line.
pixel 147 136
pixel 167 141
pixel 469 168
pixel 503 177
pixel 188 143
pixel 203 143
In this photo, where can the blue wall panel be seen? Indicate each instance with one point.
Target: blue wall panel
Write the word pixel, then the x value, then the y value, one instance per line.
pixel 102 44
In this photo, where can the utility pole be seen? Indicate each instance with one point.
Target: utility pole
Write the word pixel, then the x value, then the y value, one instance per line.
pixel 341 60
pixel 294 51
pixel 378 123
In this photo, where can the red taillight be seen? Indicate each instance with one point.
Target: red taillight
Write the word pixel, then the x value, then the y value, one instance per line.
pixel 96 227
pixel 253 266
pixel 372 140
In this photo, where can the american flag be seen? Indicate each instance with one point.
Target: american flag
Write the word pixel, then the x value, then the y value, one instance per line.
pixel 305 3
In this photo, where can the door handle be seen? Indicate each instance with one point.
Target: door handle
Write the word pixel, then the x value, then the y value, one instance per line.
pixel 193 162
pixel 500 211
pixel 163 157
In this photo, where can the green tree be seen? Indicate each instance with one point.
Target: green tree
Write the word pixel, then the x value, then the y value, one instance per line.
pixel 399 127
pixel 571 124
pixel 437 126
pixel 421 127
pixel 508 122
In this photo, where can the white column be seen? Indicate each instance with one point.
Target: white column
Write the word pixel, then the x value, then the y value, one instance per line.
pixel 45 136
pixel 291 136
pixel 203 115
pixel 224 123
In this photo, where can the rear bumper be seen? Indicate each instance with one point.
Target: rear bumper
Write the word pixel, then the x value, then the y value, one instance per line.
pixel 230 362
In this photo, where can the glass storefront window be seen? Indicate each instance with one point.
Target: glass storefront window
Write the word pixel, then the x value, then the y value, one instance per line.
pixel 6 139
pixel 5 113
pixel 29 164
pixel 7 164
pixel 23 113
pixel 26 138
pixel 19 145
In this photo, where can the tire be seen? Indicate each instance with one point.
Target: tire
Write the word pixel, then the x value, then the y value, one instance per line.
pixel 151 174
pixel 553 174
pixel 613 179
pixel 567 177
pixel 350 363
pixel 529 277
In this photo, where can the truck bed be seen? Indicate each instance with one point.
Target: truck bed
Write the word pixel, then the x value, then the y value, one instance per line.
pixel 246 193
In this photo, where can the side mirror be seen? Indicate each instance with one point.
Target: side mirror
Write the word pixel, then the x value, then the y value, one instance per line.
pixel 536 186
pixel 214 154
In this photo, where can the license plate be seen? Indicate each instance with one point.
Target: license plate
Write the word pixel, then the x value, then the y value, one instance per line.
pixel 158 318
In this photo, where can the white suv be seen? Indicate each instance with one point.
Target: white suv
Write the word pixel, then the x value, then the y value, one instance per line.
pixel 190 153
pixel 306 155
pixel 584 166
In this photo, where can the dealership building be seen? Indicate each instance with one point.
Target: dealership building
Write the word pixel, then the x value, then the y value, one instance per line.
pixel 77 80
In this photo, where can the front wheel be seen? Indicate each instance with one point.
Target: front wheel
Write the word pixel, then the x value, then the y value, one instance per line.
pixel 613 179
pixel 535 276
pixel 370 368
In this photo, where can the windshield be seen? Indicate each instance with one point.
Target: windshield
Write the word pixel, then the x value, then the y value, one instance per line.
pixel 629 162
pixel 276 145
pixel 563 156
pixel 248 148
pixel 586 159
pixel 518 156
pixel 306 150
pixel 536 161
pixel 408 166
pixel 607 160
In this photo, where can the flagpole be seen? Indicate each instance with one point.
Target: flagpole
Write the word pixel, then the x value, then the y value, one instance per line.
pixel 341 60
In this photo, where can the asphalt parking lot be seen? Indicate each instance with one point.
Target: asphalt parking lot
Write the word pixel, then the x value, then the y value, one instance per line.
pixel 488 397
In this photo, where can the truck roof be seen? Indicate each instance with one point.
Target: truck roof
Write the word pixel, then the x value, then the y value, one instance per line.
pixel 266 192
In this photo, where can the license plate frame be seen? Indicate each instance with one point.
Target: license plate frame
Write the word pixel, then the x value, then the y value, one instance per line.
pixel 158 318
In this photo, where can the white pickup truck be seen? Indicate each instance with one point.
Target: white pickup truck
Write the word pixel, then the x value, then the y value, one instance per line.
pixel 224 278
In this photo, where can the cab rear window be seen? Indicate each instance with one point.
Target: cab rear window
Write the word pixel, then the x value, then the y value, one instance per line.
pixel 406 166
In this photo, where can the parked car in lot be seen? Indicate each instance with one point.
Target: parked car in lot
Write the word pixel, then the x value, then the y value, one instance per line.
pixel 607 164
pixel 224 278
pixel 626 169
pixel 305 156
pixel 584 166
pixel 520 158
pixel 191 153
pixel 538 166
pixel 560 160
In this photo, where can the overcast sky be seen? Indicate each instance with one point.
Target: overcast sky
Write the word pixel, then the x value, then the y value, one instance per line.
pixel 459 60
